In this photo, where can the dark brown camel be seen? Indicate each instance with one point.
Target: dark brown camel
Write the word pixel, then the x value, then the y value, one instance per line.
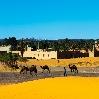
pixel 14 66
pixel 45 67
pixel 30 69
pixel 73 68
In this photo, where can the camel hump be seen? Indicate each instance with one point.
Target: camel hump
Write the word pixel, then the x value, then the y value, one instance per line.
pixel 69 65
pixel 74 65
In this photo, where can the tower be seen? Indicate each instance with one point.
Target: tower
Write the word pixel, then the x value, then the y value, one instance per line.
pixel 91 53
pixel 95 43
pixel 38 45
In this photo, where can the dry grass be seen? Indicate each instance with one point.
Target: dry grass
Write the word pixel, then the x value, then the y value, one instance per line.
pixel 64 62
pixel 4 68
pixel 81 62
pixel 53 88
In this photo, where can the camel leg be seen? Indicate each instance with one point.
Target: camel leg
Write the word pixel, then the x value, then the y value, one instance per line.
pixel 35 71
pixel 71 70
pixel 35 74
pixel 42 70
pixel 20 71
pixel 25 71
pixel 77 70
pixel 31 73
pixel 49 70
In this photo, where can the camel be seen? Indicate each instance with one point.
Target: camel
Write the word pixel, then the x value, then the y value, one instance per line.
pixel 24 69
pixel 30 69
pixel 14 66
pixel 45 67
pixel 73 68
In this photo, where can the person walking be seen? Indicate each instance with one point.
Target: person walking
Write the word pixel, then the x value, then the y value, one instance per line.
pixel 65 72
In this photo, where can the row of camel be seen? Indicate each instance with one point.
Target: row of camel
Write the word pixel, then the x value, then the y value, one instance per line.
pixel 33 68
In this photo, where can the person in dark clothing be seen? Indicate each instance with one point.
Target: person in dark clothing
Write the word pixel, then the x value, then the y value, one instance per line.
pixel 65 72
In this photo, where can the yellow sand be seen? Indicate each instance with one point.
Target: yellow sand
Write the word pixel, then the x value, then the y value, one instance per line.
pixel 53 88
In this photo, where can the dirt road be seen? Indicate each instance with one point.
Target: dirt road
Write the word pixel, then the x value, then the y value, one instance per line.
pixel 16 77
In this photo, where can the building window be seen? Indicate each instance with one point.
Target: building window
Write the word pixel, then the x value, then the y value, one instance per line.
pixel 43 55
pixel 38 55
pixel 48 55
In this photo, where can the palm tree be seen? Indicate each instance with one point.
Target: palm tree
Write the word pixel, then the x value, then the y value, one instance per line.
pixel 22 47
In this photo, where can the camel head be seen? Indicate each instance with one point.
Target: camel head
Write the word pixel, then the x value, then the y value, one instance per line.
pixel 23 66
pixel 69 66
pixel 41 66
pixel 32 65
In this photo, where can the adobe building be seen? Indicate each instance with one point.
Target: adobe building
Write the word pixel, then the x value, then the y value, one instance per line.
pixel 40 54
pixel 71 54
pixel 4 49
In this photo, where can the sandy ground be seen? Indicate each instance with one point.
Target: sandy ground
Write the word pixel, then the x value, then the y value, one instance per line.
pixel 83 85
pixel 88 67
pixel 53 88
pixel 16 77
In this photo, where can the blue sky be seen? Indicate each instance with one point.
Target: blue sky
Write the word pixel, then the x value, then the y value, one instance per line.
pixel 49 19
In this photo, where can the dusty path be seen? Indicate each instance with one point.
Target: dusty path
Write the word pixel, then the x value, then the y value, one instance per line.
pixel 15 77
